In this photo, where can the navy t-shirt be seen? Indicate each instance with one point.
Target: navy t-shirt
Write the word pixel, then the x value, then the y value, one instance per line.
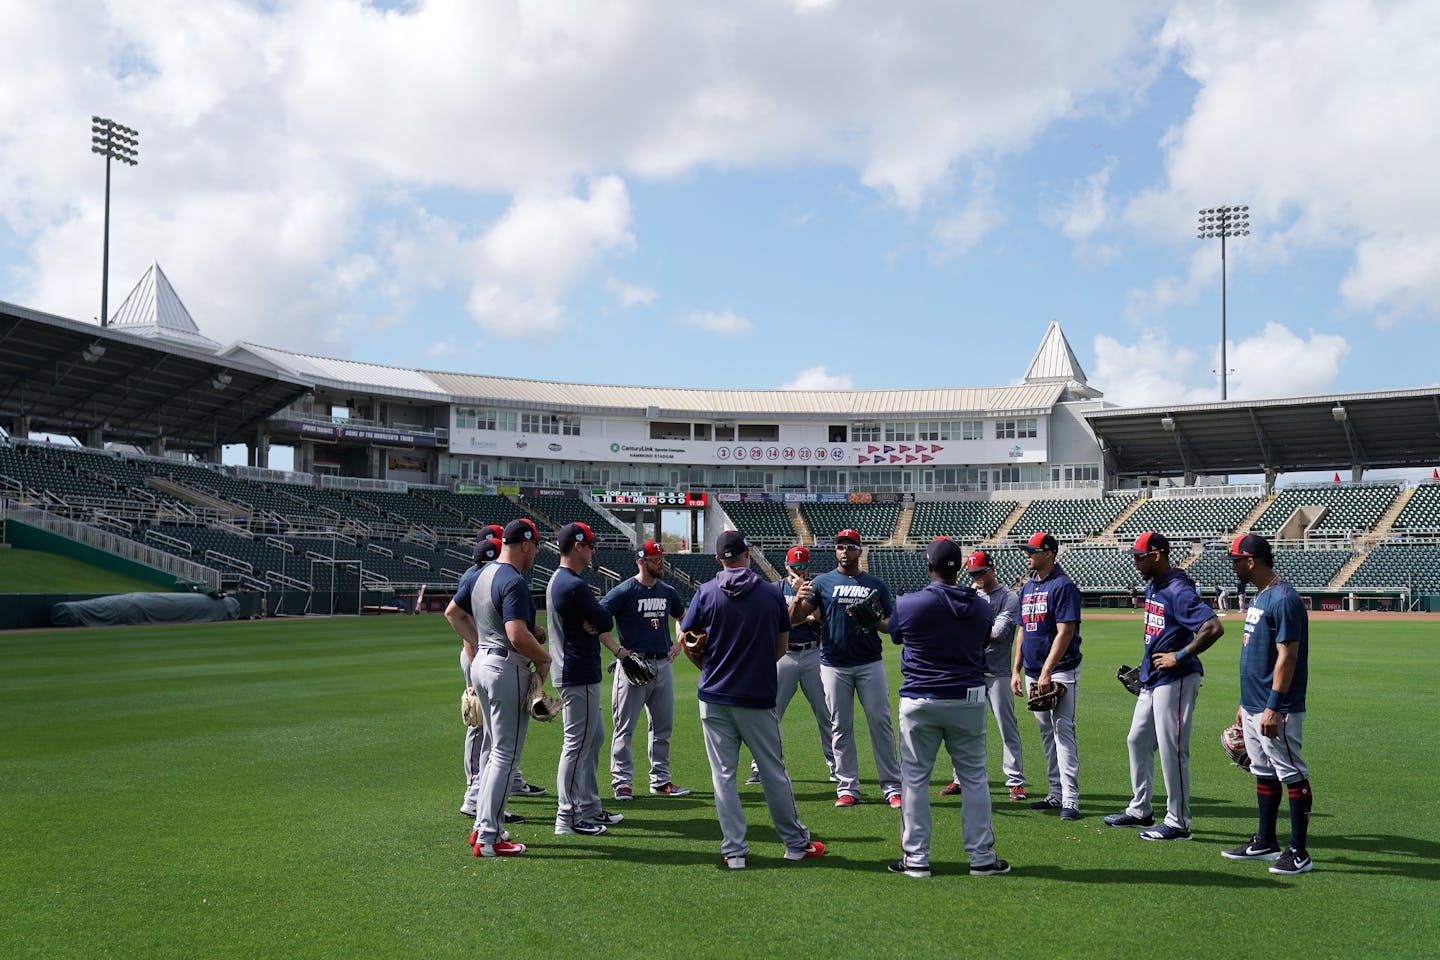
pixel 943 630
pixel 1173 612
pixel 1276 615
pixel 803 632
pixel 743 616
pixel 464 587
pixel 642 614
pixel 576 652
pixel 843 642
pixel 1044 605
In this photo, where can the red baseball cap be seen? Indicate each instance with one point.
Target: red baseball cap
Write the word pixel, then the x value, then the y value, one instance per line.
pixel 1040 541
pixel 649 551
pixel 1251 545
pixel 848 536
pixel 494 531
pixel 576 532
pixel 978 562
pixel 1150 543
pixel 521 530
pixel 798 557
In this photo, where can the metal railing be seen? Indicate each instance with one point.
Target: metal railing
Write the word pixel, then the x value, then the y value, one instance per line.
pixel 116 544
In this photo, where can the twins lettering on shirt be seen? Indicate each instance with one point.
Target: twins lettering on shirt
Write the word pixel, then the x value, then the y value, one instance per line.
pixel 1252 617
pixel 655 608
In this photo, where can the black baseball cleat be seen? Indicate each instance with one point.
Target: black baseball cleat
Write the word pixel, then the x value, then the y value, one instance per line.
pixel 1292 862
pixel 1069 813
pixel 1254 850
pixel 991 869
pixel 899 866
pixel 1049 803
pixel 1126 820
pixel 528 790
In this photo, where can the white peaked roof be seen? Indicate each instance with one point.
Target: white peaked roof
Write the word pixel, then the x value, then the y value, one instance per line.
pixel 153 309
pixel 1055 362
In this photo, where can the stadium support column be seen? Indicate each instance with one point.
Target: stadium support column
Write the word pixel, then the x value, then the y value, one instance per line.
pixel 157 447
pixel 305 456
pixel 260 448
pixel 95 438
pixel 20 428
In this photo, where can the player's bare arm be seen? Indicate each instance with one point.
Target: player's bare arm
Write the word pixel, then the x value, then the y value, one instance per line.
pixel 802 604
pixel 1210 631
pixel 464 626
pixel 1284 673
pixel 1017 675
pixel 528 645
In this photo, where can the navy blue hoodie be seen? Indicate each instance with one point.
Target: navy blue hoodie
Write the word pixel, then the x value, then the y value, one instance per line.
pixel 743 616
pixel 943 630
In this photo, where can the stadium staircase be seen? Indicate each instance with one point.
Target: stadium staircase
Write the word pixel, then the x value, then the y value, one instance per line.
pixel 1351 565
pixel 802 529
pixel 199 498
pixel 1112 530
pixel 1387 519
pixel 1003 531
pixel 902 525
pixel 1254 515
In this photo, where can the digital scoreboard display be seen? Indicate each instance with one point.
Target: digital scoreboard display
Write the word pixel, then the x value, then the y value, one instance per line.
pixel 662 498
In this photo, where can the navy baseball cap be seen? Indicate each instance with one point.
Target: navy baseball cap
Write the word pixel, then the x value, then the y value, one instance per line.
pixel 486 549
pixel 978 562
pixel 797 557
pixel 848 536
pixel 1252 545
pixel 944 555
pixel 494 531
pixel 731 544
pixel 573 533
pixel 650 551
pixel 521 530
pixel 1150 543
pixel 1040 541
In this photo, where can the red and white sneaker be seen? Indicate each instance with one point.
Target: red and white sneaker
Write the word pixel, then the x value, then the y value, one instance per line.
pixel 846 800
pixel 1017 793
pixel 893 800
pixel 814 849
pixel 501 848
pixel 952 789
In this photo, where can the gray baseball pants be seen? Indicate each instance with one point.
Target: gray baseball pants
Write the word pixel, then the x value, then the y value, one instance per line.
pixel 1162 720
pixel 1002 705
pixel 960 726
pixel 801 669
pixel 1276 757
pixel 576 781
pixel 477 749
pixel 725 728
pixel 657 698
pixel 842 686
pixel 501 682
pixel 1057 735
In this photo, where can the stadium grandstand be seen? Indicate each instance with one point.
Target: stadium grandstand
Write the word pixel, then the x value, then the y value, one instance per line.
pixel 114 437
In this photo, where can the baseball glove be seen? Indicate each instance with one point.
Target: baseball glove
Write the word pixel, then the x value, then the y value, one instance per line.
pixel 868 612
pixel 693 643
pixel 470 713
pixel 1129 678
pixel 636 669
pixel 1040 702
pixel 1232 739
pixel 540 705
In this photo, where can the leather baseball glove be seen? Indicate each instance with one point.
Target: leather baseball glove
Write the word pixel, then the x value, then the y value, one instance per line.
pixel 868 612
pixel 1129 678
pixel 1232 739
pixel 693 643
pixel 1040 702
pixel 470 713
pixel 636 669
pixel 540 705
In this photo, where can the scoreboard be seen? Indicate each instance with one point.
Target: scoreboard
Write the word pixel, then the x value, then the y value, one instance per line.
pixel 662 498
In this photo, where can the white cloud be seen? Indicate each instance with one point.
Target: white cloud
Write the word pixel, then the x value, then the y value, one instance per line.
pixel 629 294
pixel 1085 209
pixel 1276 362
pixel 818 378
pixel 959 233
pixel 726 323
pixel 1315 115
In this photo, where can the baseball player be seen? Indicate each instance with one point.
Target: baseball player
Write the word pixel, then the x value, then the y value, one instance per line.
pixel 642 607
pixel 800 667
pixel 508 648
pixel 576 619
pixel 850 667
pixel 1005 603
pixel 746 627
pixel 1274 668
pixel 1049 650
pixel 477 741
pixel 1179 626
pixel 943 631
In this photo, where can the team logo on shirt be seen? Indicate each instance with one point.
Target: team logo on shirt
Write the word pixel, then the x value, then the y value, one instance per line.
pixel 1154 619
pixel 1033 609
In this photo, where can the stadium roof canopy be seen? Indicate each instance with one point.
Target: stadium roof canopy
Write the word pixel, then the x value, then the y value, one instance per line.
pixel 70 378
pixel 1395 428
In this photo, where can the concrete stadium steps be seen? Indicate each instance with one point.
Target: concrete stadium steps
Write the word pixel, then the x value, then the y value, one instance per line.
pixel 1112 529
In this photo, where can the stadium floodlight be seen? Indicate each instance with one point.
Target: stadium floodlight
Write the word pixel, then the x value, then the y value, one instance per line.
pixel 113 141
pixel 1223 222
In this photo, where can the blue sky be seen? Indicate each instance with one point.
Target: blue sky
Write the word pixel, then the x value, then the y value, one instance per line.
pixel 752 195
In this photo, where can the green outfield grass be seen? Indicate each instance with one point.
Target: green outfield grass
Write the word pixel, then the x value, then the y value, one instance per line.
pixel 34 571
pixel 290 789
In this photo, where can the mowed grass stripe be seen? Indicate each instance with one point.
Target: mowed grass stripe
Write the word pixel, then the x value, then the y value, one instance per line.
pixel 291 789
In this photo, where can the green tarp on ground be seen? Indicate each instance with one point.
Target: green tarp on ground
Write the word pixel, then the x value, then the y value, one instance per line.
pixel 127 608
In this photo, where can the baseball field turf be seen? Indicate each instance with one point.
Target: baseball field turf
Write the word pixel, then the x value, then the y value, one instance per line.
pixel 290 789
